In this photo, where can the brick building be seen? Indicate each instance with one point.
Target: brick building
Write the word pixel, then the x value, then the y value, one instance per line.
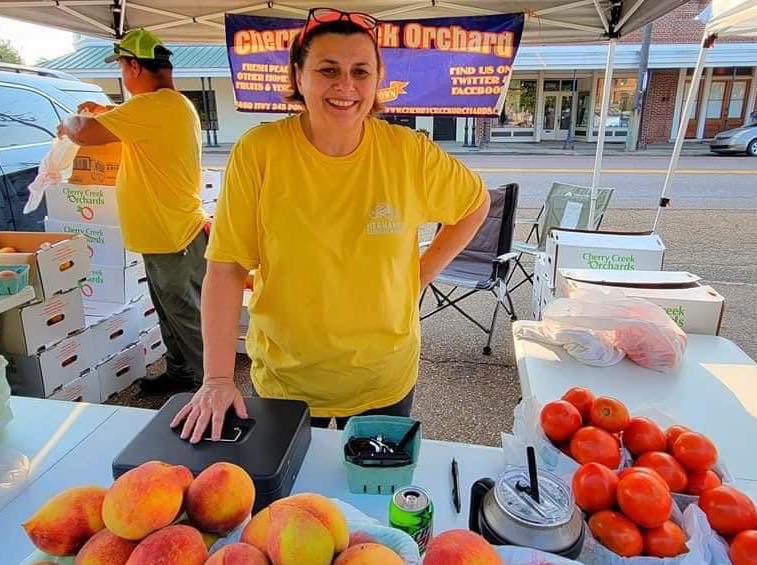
pixel 555 90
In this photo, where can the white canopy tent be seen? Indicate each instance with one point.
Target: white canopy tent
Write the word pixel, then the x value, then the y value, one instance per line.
pixel 725 18
pixel 194 21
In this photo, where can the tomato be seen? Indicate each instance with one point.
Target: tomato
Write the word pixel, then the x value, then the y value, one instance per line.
pixel 592 445
pixel 671 435
pixel 667 540
pixel 644 499
pixel 617 533
pixel 565 448
pixel 744 548
pixel 560 420
pixel 667 467
pixel 728 510
pixel 609 414
pixel 695 452
pixel 581 398
pixel 594 487
pixel 644 471
pixel 701 481
pixel 642 435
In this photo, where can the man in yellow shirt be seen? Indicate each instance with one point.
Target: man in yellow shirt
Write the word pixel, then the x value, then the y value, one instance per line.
pixel 158 197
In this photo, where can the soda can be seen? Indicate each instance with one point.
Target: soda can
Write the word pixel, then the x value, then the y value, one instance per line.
pixel 412 511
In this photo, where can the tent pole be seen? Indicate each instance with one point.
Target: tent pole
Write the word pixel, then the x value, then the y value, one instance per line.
pixel 602 126
pixel 682 126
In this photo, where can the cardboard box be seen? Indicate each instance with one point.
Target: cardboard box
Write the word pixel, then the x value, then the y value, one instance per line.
pixel 85 388
pixel 113 327
pixel 574 249
pixel 121 370
pixel 91 204
pixel 695 308
pixel 146 313
pixel 153 345
pixel 42 374
pixel 53 269
pixel 104 244
pixel 96 164
pixel 211 181
pixel 115 284
pixel 29 329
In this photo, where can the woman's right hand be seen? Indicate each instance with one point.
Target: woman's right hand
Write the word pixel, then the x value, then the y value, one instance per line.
pixel 209 405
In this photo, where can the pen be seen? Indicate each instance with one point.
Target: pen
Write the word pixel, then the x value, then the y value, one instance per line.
pixel 455 486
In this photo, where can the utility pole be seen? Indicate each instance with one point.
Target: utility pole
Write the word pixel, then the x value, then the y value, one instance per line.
pixel 634 131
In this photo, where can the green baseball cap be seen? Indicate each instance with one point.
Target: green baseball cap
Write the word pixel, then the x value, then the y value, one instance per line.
pixel 139 44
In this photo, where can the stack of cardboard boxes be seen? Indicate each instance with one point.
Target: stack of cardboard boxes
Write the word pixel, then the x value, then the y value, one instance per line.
pixel 119 315
pixel 210 189
pixel 629 263
pixel 45 341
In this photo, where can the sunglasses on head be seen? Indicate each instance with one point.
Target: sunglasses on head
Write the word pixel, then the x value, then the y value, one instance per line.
pixel 118 50
pixel 318 16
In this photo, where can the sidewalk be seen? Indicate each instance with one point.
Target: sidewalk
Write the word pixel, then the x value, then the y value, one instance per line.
pixel 690 148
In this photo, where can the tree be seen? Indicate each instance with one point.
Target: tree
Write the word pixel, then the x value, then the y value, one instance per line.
pixel 8 53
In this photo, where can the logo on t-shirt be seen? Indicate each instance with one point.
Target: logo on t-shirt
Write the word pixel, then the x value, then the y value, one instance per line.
pixel 383 220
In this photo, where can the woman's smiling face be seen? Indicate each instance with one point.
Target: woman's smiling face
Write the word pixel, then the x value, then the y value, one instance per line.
pixel 339 79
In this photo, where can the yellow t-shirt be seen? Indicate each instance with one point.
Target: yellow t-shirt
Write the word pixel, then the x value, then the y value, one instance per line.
pixel 334 312
pixel 158 183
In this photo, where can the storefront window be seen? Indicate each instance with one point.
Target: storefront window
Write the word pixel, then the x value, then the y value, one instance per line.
pixel 520 104
pixel 621 102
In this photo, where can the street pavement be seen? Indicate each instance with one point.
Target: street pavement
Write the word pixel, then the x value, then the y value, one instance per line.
pixel 711 231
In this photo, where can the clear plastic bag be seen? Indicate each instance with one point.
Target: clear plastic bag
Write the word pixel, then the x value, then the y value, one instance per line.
pixel 637 327
pixel 527 431
pixel 55 168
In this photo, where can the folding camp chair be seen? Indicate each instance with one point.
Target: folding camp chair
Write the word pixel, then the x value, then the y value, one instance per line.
pixel 483 264
pixel 566 206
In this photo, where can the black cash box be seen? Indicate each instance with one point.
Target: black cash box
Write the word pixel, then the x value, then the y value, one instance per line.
pixel 270 446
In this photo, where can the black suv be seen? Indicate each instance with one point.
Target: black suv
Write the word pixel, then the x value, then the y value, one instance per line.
pixel 32 104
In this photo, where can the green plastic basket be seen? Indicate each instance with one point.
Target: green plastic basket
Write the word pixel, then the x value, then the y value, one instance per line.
pixel 376 480
pixel 15 284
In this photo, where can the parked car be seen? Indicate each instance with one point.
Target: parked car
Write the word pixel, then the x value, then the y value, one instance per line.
pixel 739 140
pixel 32 103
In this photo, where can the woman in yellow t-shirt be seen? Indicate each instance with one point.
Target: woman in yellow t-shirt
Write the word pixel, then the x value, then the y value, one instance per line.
pixel 325 206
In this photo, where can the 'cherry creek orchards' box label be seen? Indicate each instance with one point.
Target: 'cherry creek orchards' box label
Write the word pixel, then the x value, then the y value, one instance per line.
pixel 92 204
pixel 105 244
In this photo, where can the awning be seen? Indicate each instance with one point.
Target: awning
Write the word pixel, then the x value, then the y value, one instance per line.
pixel 192 21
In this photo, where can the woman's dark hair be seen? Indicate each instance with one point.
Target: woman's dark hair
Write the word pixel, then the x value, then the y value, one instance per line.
pixel 299 50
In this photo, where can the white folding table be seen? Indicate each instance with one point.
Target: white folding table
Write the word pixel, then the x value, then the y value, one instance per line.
pixel 714 391
pixel 79 442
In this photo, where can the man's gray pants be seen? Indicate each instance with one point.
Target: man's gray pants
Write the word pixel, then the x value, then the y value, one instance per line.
pixel 175 282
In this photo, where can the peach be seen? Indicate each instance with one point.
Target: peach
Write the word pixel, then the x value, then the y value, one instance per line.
pixel 327 512
pixel 207 537
pixel 238 554
pixel 105 548
pixel 220 498
pixel 368 554
pixel 145 499
pixel 460 547
pixel 174 545
pixel 256 531
pixel 64 523
pixel 356 538
pixel 297 537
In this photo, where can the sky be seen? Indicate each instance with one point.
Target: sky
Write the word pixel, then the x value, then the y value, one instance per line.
pixel 35 42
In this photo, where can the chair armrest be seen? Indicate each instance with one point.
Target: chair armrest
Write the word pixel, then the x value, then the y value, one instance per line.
pixel 505 257
pixel 527 221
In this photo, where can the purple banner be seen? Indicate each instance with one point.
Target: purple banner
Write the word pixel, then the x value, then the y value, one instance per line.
pixel 441 66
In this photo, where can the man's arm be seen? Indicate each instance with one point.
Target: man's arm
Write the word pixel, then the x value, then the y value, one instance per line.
pixel 85 131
